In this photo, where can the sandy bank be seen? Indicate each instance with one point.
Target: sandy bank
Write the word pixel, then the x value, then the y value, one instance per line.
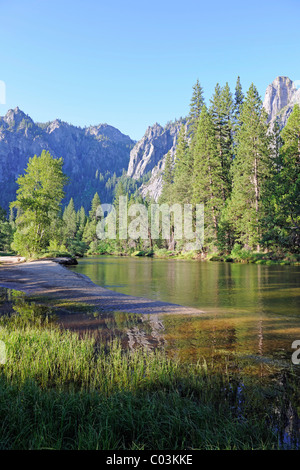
pixel 55 281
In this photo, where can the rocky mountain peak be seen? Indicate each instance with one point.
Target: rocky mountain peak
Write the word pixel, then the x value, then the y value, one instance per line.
pixel 15 117
pixel 155 144
pixel 280 97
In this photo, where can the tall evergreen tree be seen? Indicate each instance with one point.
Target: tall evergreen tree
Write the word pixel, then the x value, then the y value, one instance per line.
pixel 6 231
pixel 221 112
pixel 95 204
pixel 69 218
pixel 207 175
pixel 196 104
pixel 251 168
pixel 183 169
pixel 288 183
pixel 238 100
pixel 168 179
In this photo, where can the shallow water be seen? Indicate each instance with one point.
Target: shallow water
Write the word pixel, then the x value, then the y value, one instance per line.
pixel 250 310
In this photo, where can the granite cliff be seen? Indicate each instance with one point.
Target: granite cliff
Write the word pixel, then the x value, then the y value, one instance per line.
pixel 280 97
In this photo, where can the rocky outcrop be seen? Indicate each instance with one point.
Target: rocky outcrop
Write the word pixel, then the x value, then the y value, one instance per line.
pixel 151 149
pixel 281 95
pixel 85 151
pixel 153 187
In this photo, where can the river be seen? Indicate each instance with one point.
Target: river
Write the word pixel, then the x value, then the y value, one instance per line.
pixel 250 310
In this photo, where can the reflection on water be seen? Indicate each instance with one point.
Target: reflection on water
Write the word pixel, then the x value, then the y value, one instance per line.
pixel 250 310
pixel 210 286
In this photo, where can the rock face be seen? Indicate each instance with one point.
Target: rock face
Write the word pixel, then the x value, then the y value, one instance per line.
pixel 281 95
pixel 153 187
pixel 85 151
pixel 151 149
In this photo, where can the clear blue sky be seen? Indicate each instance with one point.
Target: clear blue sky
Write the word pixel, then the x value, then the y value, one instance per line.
pixel 132 63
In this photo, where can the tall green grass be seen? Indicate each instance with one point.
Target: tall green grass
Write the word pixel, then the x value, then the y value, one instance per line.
pixel 61 392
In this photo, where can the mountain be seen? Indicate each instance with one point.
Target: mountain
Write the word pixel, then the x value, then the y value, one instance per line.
pixel 281 95
pixel 155 144
pixel 95 156
pixel 148 155
pixel 91 155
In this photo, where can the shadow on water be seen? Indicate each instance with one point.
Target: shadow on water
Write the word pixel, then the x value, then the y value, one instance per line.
pixel 249 347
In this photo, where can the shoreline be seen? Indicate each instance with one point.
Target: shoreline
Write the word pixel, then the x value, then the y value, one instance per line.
pixel 55 281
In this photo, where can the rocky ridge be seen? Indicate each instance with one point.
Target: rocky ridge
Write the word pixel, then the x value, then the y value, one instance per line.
pixel 84 150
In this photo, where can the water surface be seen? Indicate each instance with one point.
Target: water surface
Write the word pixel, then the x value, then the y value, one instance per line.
pixel 249 310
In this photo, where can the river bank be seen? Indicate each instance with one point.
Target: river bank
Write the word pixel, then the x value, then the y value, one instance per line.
pixel 50 279
pixel 238 255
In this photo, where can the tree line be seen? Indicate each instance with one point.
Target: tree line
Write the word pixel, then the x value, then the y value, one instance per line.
pixel 244 170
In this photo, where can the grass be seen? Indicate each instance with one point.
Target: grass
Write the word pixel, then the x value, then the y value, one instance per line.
pixel 61 392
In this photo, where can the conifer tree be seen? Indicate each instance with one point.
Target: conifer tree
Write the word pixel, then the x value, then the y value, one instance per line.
pixel 38 203
pixel 238 100
pixel 207 175
pixel 95 204
pixel 221 112
pixel 251 168
pixel 196 104
pixel 69 218
pixel 167 179
pixel 288 182
pixel 183 169
pixel 81 221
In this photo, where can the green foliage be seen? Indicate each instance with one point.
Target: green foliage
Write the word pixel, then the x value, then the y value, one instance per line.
pixel 6 231
pixel 38 202
pixel 251 168
pixel 288 182
pixel 207 175
pixel 227 157
pixel 183 170
pixel 196 105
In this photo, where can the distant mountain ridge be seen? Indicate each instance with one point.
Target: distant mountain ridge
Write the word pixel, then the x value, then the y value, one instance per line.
pixel 86 153
pixel 104 150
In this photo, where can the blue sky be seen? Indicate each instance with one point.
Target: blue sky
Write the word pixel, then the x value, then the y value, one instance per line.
pixel 133 63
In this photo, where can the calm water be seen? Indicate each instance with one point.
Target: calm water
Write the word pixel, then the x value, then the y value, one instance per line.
pixel 250 310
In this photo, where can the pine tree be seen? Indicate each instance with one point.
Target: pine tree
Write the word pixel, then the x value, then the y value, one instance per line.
pixel 95 204
pixel 6 231
pixel 207 176
pixel 238 100
pixel 81 220
pixel 288 182
pixel 221 112
pixel 168 179
pixel 183 169
pixel 196 104
pixel 251 169
pixel 69 218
